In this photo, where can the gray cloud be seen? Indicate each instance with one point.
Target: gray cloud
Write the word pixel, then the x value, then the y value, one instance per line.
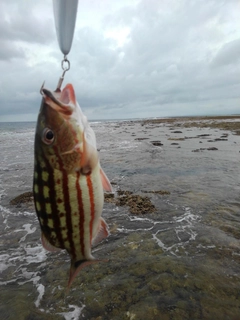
pixel 9 51
pixel 228 54
pixel 20 21
pixel 180 57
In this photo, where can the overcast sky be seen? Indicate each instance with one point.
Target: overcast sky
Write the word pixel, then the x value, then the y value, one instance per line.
pixel 129 58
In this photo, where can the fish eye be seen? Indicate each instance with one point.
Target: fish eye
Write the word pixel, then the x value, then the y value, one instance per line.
pixel 48 136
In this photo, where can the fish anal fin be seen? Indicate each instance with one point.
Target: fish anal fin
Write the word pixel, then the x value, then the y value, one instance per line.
pixel 105 182
pixel 47 245
pixel 102 233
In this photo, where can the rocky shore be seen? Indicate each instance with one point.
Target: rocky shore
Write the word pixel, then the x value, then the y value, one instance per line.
pixel 173 252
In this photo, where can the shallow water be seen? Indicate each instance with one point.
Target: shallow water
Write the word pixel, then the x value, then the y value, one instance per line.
pixel 180 262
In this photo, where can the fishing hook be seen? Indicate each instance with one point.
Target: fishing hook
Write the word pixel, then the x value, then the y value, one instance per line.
pixel 65 68
pixel 41 89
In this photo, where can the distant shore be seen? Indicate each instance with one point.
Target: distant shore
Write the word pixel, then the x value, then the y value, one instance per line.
pixel 221 122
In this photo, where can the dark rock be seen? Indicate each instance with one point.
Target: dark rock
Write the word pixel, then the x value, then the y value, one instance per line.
pixel 109 197
pixel 137 204
pixel 212 148
pixel 157 143
pixel 161 192
pixel 22 198
pixel 204 135
pixel 220 139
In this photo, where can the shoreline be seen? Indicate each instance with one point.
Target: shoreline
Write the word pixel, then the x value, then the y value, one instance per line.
pixel 231 123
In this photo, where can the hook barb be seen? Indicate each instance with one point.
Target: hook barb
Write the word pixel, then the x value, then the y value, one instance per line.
pixel 41 89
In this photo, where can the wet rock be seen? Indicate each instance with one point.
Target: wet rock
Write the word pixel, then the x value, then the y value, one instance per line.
pixel 174 144
pixel 137 204
pixel 109 197
pixel 237 132
pixel 177 131
pixel 212 148
pixel 221 139
pixel 161 192
pixel 124 192
pixel 157 143
pixel 22 198
pixel 202 149
pixel 177 139
pixel 203 135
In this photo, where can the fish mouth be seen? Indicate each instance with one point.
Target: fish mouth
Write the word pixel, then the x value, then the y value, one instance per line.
pixel 59 101
pixel 50 95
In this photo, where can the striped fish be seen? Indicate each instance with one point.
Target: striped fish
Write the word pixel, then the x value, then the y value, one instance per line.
pixel 68 180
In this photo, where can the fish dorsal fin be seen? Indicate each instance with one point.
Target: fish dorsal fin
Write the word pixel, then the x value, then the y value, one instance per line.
pixel 47 245
pixel 102 232
pixel 105 182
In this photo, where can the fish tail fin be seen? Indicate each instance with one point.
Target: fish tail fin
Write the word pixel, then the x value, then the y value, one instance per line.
pixel 76 267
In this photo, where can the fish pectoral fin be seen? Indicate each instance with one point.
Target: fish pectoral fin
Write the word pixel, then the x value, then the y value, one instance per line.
pixel 76 267
pixel 102 233
pixel 105 182
pixel 89 156
pixel 47 245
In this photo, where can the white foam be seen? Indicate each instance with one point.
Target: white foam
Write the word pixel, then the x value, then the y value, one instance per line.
pixel 4 264
pixel 41 290
pixel 184 225
pixel 27 228
pixel 72 315
pixel 35 254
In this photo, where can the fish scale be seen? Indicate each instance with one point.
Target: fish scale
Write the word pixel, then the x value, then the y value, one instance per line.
pixel 68 180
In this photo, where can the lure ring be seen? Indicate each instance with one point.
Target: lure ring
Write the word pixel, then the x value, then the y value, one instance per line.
pixel 65 66
pixel 67 62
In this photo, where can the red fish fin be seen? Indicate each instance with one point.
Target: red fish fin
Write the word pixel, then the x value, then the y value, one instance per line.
pixel 89 157
pixel 105 182
pixel 76 267
pixel 102 233
pixel 68 95
pixel 47 245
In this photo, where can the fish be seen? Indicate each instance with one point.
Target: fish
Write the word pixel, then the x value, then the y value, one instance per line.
pixel 68 182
